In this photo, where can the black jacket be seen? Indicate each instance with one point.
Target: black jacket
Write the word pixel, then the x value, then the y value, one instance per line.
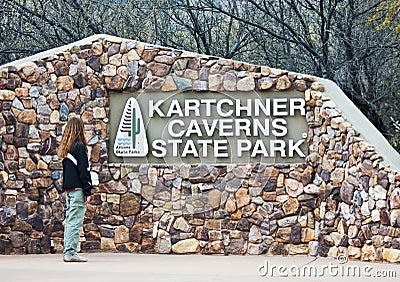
pixel 77 176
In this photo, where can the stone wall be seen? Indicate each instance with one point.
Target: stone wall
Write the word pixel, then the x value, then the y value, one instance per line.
pixel 342 199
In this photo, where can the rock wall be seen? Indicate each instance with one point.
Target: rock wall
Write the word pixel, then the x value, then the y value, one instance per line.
pixel 342 199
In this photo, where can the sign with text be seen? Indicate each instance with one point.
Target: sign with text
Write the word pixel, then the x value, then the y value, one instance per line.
pixel 208 127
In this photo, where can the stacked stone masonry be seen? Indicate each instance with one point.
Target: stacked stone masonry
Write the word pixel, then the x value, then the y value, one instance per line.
pixel 342 199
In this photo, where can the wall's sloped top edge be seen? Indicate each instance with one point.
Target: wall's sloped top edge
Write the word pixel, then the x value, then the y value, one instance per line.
pixel 360 122
pixel 57 50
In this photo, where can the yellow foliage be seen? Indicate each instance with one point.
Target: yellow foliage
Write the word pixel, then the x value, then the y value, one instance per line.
pixel 391 10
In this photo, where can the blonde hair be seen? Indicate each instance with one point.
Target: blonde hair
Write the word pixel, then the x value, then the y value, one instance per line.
pixel 74 131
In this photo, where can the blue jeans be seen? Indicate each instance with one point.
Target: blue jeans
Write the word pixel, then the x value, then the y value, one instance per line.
pixel 74 220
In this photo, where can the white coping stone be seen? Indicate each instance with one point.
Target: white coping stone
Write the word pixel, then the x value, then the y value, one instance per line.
pixel 367 130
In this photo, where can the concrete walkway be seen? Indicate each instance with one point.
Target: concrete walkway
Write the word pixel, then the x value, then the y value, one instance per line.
pixel 122 267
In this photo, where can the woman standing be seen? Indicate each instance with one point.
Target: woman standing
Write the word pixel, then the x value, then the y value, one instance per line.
pixel 76 183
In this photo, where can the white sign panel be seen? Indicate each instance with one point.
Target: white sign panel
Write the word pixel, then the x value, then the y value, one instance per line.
pixel 208 127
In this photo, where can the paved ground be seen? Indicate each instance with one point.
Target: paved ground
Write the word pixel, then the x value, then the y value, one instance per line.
pixel 113 267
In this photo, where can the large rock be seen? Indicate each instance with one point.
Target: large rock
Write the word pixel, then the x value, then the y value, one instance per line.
pixel 287 221
pixel 169 84
pixel 353 252
pixel 254 249
pixel 395 199
pixel 7 95
pixel 298 249
pixel 215 82
pixel 337 176
pixel 277 248
pixel 115 82
pixel 265 83
pixel 12 153
pixel 136 234
pixel 109 70
pixel 283 83
pixel 230 205
pixel 17 239
pixel 114 49
pixel 293 187
pixel 313 248
pixel 121 234
pixel 133 55
pixel 300 85
pixel 182 83
pixel 129 204
pixel 32 246
pixel 107 244
pixel 148 245
pixel 383 179
pixel 3 83
pixel 246 84
pixel 53 102
pixel 148 55
pixel 237 246
pixel 242 197
pixel 346 192
pixel 65 83
pixel 90 245
pixel 113 187
pixel 163 243
pixel 384 217
pixel 307 234
pixel 214 247
pixel 283 234
pixel 229 81
pixel 49 147
pixel 391 255
pixel 17 104
pixel 367 168
pixel 395 217
pixel 255 234
pixel 128 247
pixel 7 216
pixel 368 253
pixel 30 72
pixel 291 206
pixel 198 172
pixel 5 247
pixel 94 63
pixel 164 59
pixel 61 68
pixel 115 60
pixel 45 245
pixel 233 185
pixel 214 198
pixel 312 189
pixel 181 224
pixel 36 221
pixel 191 74
pixel 200 85
pixel 158 69
pixel 186 246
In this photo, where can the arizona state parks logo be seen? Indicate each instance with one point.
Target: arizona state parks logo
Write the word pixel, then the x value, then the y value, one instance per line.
pixel 131 139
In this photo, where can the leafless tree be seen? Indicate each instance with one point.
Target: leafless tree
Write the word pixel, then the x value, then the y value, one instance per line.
pixel 327 38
